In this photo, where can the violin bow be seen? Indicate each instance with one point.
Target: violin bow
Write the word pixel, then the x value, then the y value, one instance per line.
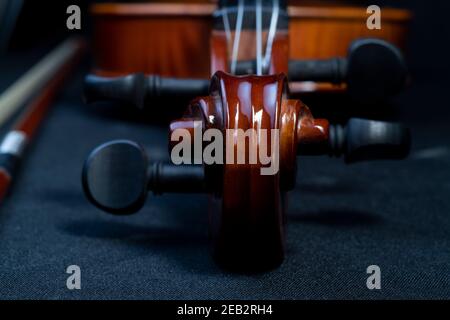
pixel 13 145
pixel 30 83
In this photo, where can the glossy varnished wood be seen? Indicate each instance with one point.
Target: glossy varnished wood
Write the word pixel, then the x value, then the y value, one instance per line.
pixel 246 208
pixel 252 216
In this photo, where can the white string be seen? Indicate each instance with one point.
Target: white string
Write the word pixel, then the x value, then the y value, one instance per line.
pixel 237 36
pixel 258 37
pixel 226 25
pixel 271 34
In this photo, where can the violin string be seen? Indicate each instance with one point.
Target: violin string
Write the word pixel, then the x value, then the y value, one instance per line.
pixel 271 34
pixel 226 25
pixel 258 37
pixel 237 36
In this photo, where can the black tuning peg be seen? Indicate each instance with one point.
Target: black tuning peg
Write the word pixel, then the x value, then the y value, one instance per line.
pixel 140 90
pixel 362 140
pixel 373 70
pixel 118 175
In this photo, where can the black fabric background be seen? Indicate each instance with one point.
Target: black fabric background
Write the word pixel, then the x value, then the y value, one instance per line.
pixel 341 218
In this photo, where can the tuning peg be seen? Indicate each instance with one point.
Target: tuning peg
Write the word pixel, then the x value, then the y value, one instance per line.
pixel 140 90
pixel 130 89
pixel 117 177
pixel 362 140
pixel 373 70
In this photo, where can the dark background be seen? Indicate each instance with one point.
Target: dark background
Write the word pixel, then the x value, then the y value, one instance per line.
pixel 341 218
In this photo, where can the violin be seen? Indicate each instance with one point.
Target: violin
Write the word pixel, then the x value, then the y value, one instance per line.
pixel 167 47
pixel 172 39
pixel 248 195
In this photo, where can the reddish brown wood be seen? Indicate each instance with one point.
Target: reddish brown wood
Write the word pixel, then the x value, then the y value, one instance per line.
pixel 165 39
pixel 311 131
pixel 5 182
pixel 247 208
pixel 279 60
pixel 327 31
pixel 172 39
pixel 252 208
pixel 219 52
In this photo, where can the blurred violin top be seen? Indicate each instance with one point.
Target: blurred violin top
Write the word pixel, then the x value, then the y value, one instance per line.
pixel 173 39
pixel 175 45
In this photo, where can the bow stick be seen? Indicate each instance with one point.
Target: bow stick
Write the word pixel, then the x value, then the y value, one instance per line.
pixel 13 145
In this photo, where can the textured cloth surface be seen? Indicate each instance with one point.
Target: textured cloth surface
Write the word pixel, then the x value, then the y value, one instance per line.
pixel 341 220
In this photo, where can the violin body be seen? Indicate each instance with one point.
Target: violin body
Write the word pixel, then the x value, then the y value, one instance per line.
pixel 165 39
pixel 172 39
